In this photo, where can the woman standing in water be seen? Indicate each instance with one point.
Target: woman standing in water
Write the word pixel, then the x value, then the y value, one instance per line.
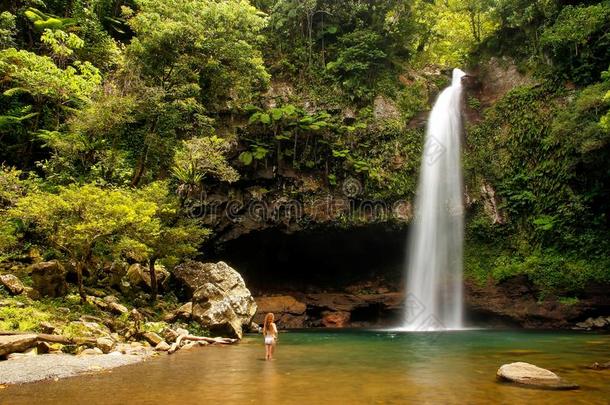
pixel 270 334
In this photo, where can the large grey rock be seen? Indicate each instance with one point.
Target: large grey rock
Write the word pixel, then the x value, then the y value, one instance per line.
pixel 49 278
pixel 12 284
pixel 221 302
pixel 16 343
pixel 531 375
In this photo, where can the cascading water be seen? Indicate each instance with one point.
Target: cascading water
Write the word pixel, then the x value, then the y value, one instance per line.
pixel 434 280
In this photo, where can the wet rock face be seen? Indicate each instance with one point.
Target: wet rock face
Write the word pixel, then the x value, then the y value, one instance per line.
pixel 221 302
pixel 49 278
pixel 289 312
pixel 498 77
pixel 516 300
pixel 331 310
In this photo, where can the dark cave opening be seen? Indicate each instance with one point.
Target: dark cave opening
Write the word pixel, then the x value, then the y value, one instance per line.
pixel 318 260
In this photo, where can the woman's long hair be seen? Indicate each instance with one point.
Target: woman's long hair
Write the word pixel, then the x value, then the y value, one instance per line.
pixel 267 324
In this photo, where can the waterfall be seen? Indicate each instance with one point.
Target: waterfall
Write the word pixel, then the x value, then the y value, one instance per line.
pixel 434 261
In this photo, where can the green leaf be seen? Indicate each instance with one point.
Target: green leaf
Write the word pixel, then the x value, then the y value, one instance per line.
pixel 289 109
pixel 259 152
pixel 245 158
pixel 15 91
pixel 276 114
pixel 265 118
pixel 254 118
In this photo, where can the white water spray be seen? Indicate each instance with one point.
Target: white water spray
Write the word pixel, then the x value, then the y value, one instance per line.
pixel 434 281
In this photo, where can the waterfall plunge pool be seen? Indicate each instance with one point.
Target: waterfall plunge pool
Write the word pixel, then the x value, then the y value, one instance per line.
pixel 345 367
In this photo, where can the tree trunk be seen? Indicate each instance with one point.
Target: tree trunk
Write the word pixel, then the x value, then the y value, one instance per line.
pixel 294 152
pixel 153 278
pixel 79 279
pixel 139 171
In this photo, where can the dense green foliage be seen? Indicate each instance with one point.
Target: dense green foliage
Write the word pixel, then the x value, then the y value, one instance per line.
pixel 549 146
pixel 113 113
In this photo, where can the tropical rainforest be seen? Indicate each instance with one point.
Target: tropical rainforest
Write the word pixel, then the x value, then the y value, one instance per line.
pixel 117 117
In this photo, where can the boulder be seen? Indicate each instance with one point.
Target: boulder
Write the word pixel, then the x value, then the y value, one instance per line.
pixel 46 327
pixel 91 352
pixel 152 338
pixel 170 335
pixel 532 376
pixel 220 300
pixel 117 308
pixel 133 348
pixel 162 346
pixel 98 302
pixel 43 347
pixel 105 344
pixel 184 312
pixel 214 311
pixel 49 278
pixel 16 343
pixel 288 311
pixel 111 299
pixel 139 276
pixel 12 284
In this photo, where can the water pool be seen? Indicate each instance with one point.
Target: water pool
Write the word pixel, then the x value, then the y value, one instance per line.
pixel 345 367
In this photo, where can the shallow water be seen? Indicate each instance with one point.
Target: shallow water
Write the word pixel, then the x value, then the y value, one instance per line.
pixel 345 367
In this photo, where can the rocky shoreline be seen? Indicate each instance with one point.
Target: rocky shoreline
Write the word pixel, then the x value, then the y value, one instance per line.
pixel 47 331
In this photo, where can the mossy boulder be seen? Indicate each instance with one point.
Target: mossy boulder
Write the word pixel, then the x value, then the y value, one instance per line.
pixel 49 278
